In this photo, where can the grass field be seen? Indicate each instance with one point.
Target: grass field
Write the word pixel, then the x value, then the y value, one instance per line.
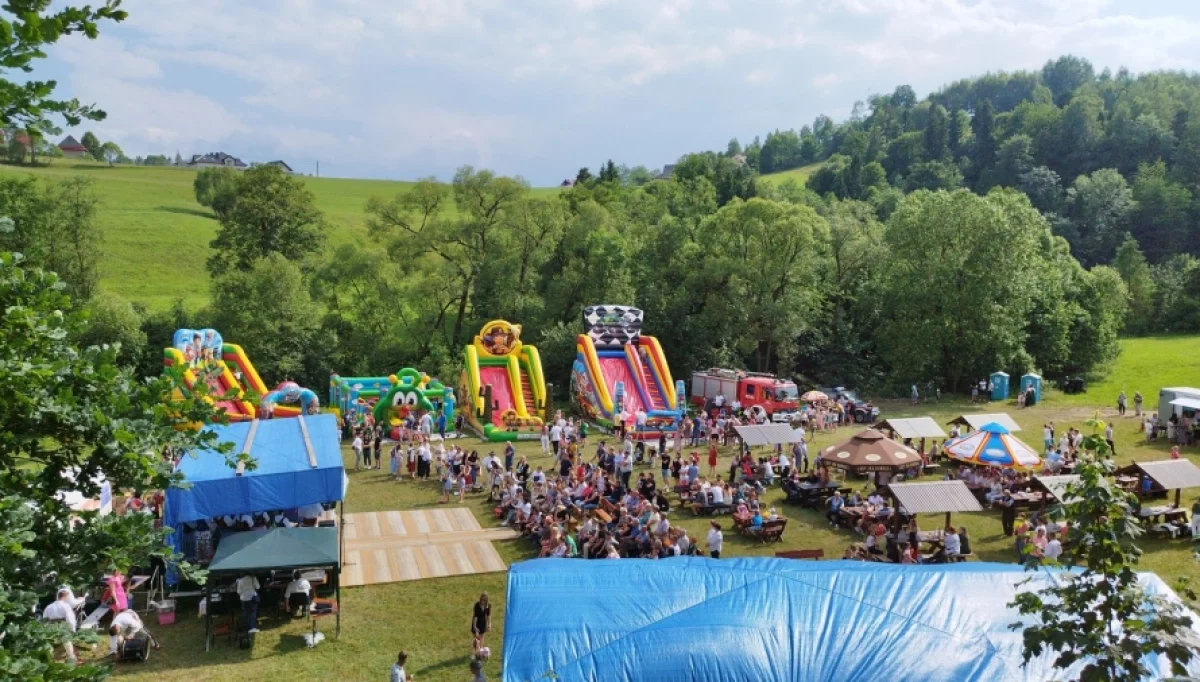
pixel 156 236
pixel 430 618
pixel 800 175
pixel 1146 365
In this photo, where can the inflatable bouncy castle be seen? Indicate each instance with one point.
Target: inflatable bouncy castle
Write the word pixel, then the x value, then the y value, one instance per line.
pixel 202 355
pixel 620 373
pixel 503 393
pixel 356 396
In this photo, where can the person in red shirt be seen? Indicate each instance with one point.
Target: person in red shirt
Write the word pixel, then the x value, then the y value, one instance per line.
pixel 712 459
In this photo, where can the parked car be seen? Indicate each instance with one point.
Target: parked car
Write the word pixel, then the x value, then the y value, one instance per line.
pixel 861 411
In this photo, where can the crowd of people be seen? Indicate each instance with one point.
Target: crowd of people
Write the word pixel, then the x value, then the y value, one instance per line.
pixel 596 502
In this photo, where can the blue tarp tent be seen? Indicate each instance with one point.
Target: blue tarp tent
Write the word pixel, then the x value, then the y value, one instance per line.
pixel 767 620
pixel 292 471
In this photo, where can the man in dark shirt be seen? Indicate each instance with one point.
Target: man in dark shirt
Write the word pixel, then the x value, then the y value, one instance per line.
pixel 1008 513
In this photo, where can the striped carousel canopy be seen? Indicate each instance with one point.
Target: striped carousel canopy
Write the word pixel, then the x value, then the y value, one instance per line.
pixel 993 445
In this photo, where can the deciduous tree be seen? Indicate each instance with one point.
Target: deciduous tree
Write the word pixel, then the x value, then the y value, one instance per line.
pixel 217 188
pixel 82 419
pixel 1099 207
pixel 1065 75
pixel 93 145
pixel 959 280
pixel 1098 620
pixel 273 212
pixel 936 133
pixel 269 306
pixel 28 103
pixel 53 226
pixel 1135 272
pixel 770 255
pixel 111 152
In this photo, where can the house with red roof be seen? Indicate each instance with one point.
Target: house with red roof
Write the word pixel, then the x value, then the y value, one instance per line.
pixel 72 149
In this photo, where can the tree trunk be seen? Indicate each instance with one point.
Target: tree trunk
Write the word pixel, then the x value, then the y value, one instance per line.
pixel 456 338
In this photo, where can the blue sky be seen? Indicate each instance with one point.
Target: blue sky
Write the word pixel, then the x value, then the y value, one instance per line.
pixel 405 89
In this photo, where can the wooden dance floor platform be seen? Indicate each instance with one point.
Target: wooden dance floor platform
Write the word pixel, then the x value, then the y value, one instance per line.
pixel 388 547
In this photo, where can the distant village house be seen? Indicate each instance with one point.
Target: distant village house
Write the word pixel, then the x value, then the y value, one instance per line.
pixel 281 166
pixel 72 149
pixel 216 160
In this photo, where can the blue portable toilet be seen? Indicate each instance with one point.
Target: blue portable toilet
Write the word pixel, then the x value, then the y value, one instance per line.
pixel 999 385
pixel 1035 381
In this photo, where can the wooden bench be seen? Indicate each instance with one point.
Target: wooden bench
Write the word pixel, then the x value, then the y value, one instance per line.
pixel 741 522
pixel 93 619
pixel 771 531
pixel 607 506
pixel 711 509
pixel 801 554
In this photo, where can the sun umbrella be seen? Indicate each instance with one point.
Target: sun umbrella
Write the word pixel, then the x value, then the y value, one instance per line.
pixel 993 445
pixel 868 451
pixel 814 397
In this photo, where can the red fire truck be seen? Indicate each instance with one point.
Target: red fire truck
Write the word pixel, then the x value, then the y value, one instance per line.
pixel 753 391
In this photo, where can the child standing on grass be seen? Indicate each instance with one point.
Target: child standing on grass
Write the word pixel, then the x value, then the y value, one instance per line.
pixel 448 484
pixel 481 622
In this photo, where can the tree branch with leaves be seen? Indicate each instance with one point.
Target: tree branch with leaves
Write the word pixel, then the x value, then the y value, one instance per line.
pixel 1096 617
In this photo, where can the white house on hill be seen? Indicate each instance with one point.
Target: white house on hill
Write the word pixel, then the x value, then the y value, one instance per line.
pixel 216 160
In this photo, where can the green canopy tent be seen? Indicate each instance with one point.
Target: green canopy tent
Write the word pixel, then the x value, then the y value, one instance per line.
pixel 275 549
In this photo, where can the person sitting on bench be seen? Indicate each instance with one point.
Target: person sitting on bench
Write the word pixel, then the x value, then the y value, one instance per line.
pixel 755 526
pixel 297 595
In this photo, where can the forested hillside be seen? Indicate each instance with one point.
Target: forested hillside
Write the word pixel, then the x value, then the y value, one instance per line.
pixel 1102 156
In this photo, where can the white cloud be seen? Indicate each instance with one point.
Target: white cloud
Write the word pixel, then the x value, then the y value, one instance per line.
pixel 759 76
pixel 108 56
pixel 409 88
pixel 826 80
pixel 144 118
pixel 437 16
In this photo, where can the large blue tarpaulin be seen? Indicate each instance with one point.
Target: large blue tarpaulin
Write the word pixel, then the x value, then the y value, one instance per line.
pixel 284 477
pixel 719 620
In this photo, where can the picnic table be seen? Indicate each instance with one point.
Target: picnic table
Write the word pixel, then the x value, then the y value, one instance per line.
pixel 1127 482
pixel 934 538
pixel 813 495
pixel 1026 498
pixel 1167 512
pixel 853 514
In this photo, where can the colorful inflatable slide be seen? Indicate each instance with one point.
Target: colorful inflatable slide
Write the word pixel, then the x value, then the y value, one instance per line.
pixel 231 377
pixel 617 370
pixel 503 389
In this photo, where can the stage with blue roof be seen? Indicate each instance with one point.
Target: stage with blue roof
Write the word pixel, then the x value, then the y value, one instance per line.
pixel 298 463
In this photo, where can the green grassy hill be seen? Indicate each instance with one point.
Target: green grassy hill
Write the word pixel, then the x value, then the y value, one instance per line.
pixel 1145 365
pixel 800 175
pixel 156 236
